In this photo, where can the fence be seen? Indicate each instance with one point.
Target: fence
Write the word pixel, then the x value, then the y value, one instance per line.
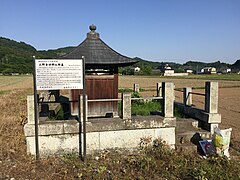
pixel 165 92
pixel 209 118
pixel 65 136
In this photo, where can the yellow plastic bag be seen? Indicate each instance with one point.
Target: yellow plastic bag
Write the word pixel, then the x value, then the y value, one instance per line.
pixel 221 141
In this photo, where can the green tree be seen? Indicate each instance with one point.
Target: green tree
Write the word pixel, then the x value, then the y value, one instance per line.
pixel 7 71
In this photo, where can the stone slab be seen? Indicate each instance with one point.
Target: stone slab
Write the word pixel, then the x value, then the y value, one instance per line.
pixel 166 134
pixel 123 139
pixel 129 139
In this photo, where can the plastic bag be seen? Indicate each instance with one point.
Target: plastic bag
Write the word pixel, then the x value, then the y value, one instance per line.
pixel 221 141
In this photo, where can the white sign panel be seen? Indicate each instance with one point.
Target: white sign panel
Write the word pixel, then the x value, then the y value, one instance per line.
pixel 54 74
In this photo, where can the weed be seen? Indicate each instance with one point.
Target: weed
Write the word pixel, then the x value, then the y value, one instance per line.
pixel 124 90
pixel 146 108
pixel 156 161
pixel 22 119
pixel 4 92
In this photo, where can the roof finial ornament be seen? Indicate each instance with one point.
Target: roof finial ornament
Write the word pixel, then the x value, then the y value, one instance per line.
pixel 92 28
pixel 92 34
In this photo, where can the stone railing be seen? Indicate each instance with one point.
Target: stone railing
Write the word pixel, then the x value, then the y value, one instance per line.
pixel 125 132
pixel 165 92
pixel 63 136
pixel 209 118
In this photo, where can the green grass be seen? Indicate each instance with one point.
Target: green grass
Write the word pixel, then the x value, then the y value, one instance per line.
pixel 144 109
pixel 226 77
pixel 124 90
pixel 4 92
pixel 141 108
pixel 229 77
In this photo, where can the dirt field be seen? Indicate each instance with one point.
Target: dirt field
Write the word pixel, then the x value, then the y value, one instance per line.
pixel 229 96
pixel 229 93
pixel 14 163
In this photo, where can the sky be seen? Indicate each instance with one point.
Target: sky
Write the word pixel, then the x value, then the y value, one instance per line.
pixel 156 30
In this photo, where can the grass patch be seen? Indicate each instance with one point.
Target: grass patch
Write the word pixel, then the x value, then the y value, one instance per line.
pixel 226 77
pixel 139 107
pixel 58 116
pixel 145 108
pixel 4 92
pixel 124 90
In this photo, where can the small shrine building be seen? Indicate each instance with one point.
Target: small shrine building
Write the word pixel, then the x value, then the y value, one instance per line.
pixel 101 74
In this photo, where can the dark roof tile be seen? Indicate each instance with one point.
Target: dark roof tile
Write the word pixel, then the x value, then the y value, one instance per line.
pixel 97 53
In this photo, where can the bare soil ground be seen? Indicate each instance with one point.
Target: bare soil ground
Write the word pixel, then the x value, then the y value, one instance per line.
pixel 15 163
pixel 229 96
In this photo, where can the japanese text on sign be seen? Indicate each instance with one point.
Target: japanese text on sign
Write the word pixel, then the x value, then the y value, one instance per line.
pixel 54 74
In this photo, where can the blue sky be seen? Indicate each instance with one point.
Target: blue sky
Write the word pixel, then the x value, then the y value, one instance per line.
pixel 157 30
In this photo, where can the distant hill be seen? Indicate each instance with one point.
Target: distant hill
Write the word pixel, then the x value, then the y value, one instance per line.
pixel 236 65
pixel 197 66
pixel 16 57
pixel 53 53
pixel 147 66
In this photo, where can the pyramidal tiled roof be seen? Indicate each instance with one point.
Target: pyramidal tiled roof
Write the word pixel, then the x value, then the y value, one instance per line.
pixel 97 53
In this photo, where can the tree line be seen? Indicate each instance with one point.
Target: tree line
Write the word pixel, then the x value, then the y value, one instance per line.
pixel 17 57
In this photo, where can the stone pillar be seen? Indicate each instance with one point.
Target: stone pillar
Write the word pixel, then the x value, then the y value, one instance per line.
pixel 187 96
pixel 159 89
pixel 136 88
pixel 211 97
pixel 211 106
pixel 30 109
pixel 168 99
pixel 126 105
pixel 81 107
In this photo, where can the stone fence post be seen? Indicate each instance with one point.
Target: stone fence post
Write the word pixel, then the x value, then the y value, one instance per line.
pixel 159 89
pixel 126 105
pixel 211 106
pixel 136 88
pixel 211 97
pixel 168 103
pixel 30 109
pixel 187 96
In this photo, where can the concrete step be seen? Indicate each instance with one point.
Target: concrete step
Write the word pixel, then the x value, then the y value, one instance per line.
pixel 188 135
pixel 186 147
pixel 183 123
pixel 192 136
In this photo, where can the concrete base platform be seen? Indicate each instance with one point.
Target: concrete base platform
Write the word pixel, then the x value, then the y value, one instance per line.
pixel 59 137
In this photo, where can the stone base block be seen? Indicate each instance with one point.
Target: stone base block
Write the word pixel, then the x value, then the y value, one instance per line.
pixel 169 122
pixel 129 139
